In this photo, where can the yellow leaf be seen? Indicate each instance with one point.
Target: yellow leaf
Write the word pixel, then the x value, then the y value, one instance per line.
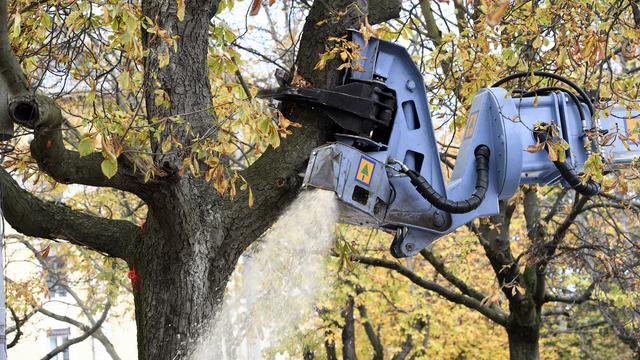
pixel 163 58
pixel 181 7
pixel 535 148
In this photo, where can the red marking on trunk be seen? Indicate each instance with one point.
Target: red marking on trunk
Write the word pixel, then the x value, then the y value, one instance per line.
pixel 136 282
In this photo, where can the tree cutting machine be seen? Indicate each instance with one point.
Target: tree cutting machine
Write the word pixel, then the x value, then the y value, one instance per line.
pixel 385 165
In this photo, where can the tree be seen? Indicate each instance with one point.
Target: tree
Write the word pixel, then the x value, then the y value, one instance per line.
pixel 94 292
pixel 144 73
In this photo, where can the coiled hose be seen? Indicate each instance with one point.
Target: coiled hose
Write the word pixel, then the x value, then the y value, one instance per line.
pixel 588 189
pixel 568 173
pixel 427 191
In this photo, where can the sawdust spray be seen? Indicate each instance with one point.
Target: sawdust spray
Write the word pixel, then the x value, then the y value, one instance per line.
pixel 275 285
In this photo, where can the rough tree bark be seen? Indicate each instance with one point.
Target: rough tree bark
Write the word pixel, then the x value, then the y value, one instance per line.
pixel 192 238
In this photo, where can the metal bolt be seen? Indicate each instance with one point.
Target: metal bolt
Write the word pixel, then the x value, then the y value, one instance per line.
pixel 409 247
pixel 411 85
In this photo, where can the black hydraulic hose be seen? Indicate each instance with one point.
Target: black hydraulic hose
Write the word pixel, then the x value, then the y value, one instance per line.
pixel 578 89
pixel 588 189
pixel 427 191
pixel 546 90
pixel 568 173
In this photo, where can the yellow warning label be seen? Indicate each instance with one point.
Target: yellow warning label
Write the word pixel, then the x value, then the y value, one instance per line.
pixel 471 125
pixel 365 171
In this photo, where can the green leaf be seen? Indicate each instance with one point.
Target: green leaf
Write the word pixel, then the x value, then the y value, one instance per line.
pixel 17 25
pixel 86 146
pixel 46 20
pixel 109 165
pixel 124 80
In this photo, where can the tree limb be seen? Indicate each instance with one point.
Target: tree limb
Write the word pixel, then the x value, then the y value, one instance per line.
pixel 82 337
pixel 574 299
pixel 17 327
pixel 493 314
pixel 32 216
pixel 41 114
pixel 67 166
pixel 374 339
pixel 10 69
pixel 348 331
pixel 433 31
pixel 274 178
pixel 454 280
pixel 96 334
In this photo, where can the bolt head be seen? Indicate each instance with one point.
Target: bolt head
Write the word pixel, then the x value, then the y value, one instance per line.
pixel 411 85
pixel 409 247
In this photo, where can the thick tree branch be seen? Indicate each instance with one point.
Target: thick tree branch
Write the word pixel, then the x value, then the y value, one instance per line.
pixel 454 280
pixel 274 177
pixel 67 166
pixel 10 69
pixel 383 10
pixel 32 216
pixel 493 314
pixel 494 238
pixel 571 299
pixel 433 31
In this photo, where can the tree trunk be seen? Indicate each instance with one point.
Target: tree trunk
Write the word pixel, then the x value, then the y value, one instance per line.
pixel 182 271
pixel 523 344
pixel 192 238
pixel 348 331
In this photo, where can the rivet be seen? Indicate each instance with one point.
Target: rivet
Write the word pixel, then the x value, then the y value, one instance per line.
pixel 411 85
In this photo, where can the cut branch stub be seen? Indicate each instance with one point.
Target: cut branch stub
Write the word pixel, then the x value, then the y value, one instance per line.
pixel 24 111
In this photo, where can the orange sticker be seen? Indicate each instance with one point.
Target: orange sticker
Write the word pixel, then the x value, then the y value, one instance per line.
pixel 471 125
pixel 365 171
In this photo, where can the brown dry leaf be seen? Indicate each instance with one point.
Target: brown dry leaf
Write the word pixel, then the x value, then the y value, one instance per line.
pixel 495 17
pixel 45 252
pixel 255 7
pixel 299 81
pixel 535 148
